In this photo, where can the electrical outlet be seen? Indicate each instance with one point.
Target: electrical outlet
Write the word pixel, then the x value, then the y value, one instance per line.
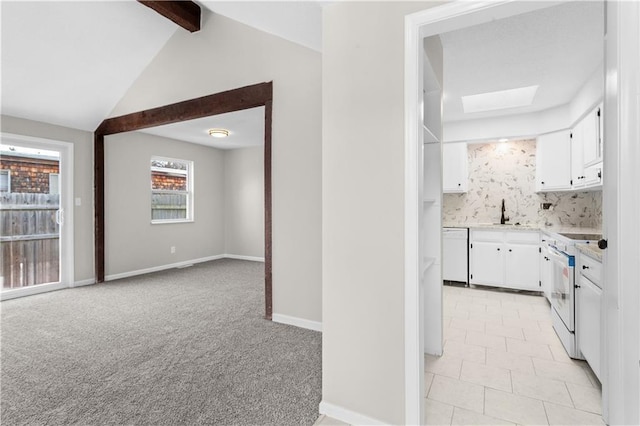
pixel 173 249
pixel 546 206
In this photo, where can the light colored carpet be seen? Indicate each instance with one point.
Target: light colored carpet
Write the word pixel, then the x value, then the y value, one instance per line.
pixel 180 347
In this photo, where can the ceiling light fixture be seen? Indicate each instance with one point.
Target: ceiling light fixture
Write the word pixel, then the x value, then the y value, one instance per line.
pixel 503 140
pixel 490 101
pixel 218 133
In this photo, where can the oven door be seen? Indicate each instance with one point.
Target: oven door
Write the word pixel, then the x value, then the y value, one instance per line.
pixel 562 290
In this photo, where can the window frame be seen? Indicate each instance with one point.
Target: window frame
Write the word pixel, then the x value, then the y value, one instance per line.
pixel 8 173
pixel 189 192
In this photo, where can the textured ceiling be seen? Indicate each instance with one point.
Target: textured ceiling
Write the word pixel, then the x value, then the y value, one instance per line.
pixel 557 48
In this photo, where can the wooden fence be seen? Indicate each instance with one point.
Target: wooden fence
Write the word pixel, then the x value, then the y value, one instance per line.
pixel 29 239
pixel 168 206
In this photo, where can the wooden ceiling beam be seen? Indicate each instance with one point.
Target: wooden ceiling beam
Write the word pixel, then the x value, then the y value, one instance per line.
pixel 232 100
pixel 187 14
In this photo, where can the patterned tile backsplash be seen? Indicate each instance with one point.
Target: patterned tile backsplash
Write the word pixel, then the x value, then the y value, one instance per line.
pixel 508 170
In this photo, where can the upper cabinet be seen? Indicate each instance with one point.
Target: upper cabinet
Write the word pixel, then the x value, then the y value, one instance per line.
pixel 553 159
pixel 571 160
pixel 455 168
pixel 586 151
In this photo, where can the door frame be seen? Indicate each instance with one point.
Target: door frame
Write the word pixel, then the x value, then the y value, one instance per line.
pixel 430 22
pixel 256 95
pixel 66 204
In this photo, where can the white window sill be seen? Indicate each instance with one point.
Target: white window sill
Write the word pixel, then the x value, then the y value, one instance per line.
pixel 163 222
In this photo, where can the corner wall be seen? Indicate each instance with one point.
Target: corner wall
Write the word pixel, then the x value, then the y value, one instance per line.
pixel 225 55
pixel 244 202
pixel 363 211
pixel 132 243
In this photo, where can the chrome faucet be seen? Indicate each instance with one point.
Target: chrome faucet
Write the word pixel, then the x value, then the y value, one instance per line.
pixel 503 219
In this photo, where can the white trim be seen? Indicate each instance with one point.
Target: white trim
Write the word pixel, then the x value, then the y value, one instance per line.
pixel 351 417
pixel 161 268
pixel 298 322
pixel 31 290
pixel 83 283
pixel 241 257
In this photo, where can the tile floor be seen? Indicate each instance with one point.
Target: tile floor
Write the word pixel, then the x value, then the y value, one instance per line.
pixel 504 364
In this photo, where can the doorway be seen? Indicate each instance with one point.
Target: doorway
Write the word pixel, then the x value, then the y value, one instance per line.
pixel 243 98
pixel 423 292
pixel 36 215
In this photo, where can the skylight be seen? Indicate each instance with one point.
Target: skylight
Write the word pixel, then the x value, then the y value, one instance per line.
pixel 512 98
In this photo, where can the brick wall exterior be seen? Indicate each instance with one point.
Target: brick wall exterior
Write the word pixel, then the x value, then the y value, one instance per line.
pixel 29 175
pixel 166 182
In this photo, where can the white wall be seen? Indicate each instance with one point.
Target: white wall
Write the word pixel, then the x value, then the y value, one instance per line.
pixel 226 55
pixel 362 209
pixel 82 187
pixel 244 202
pixel 132 243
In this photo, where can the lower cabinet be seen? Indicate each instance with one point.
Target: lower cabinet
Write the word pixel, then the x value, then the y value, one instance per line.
pixel 507 259
pixel 589 310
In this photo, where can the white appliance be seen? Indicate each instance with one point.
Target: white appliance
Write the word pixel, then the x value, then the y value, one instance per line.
pixel 562 252
pixel 455 257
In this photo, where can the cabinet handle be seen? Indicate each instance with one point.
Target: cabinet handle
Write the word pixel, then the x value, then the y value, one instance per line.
pixel 510 250
pixel 585 267
pixel 498 249
pixel 576 286
pixel 542 183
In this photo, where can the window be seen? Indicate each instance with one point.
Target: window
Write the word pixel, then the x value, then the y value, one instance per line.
pixel 54 187
pixel 5 181
pixel 171 190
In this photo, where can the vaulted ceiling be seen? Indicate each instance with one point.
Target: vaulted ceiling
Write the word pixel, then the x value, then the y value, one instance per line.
pixel 69 63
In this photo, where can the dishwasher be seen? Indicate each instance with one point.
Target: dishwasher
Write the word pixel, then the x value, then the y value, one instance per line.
pixel 455 254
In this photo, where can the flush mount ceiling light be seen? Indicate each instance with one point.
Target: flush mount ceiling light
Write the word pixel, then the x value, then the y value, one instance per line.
pixel 512 98
pixel 218 133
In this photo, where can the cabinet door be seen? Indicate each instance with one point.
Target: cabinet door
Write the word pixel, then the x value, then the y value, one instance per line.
pixel 522 267
pixel 455 168
pixel 588 314
pixel 593 175
pixel 577 162
pixel 486 263
pixel 553 162
pixel 590 143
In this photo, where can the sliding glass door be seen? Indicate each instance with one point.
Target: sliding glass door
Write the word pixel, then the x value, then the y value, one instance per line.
pixel 35 219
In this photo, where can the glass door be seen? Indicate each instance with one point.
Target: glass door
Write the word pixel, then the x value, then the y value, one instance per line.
pixel 33 181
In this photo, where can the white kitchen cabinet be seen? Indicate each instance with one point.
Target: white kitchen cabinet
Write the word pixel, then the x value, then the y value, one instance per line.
pixel 589 311
pixel 486 263
pixel 507 259
pixel 553 162
pixel 586 151
pixel 522 266
pixel 455 168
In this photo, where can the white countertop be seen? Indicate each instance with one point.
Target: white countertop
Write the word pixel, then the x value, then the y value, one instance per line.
pixel 525 227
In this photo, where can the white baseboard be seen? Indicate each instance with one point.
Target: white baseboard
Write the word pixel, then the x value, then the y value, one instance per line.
pixel 84 282
pixel 346 415
pixel 161 268
pixel 241 257
pixel 298 322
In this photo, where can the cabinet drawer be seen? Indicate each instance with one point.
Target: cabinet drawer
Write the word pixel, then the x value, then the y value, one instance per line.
pixel 591 268
pixel 487 235
pixel 522 237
